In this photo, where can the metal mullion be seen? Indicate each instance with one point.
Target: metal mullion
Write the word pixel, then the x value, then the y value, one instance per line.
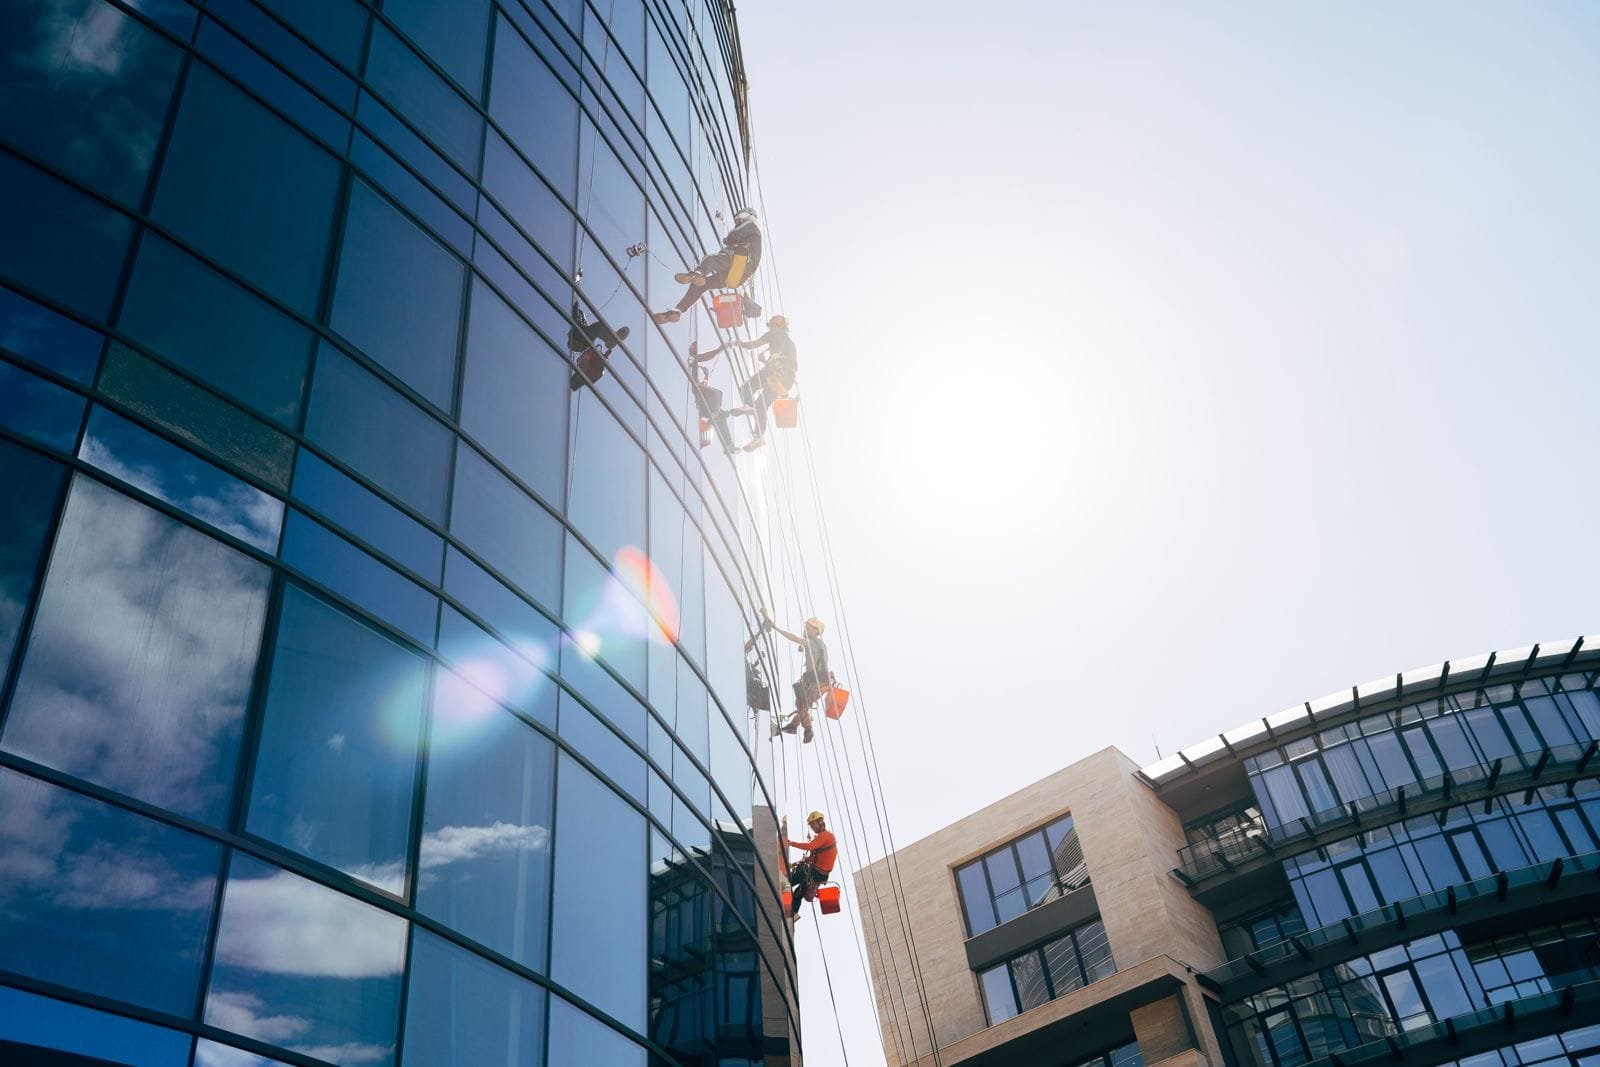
pixel 41 568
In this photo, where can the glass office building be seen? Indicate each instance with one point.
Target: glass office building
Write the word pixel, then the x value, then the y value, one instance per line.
pixel 368 693
pixel 1408 869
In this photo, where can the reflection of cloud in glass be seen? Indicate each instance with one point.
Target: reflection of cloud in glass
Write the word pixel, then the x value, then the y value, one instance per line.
pixel 239 1012
pixel 139 667
pixel 457 844
pixel 211 1054
pixel 285 924
pixel 145 461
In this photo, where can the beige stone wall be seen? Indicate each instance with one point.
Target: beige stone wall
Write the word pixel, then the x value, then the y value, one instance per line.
pixel 1130 842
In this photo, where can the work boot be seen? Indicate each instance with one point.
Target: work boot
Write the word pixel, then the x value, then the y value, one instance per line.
pixel 661 318
pixel 689 277
pixel 791 726
pixel 805 738
pixel 755 442
pixel 777 727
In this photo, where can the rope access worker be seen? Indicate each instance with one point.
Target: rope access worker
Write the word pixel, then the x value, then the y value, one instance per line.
pixel 811 872
pixel 772 380
pixel 814 676
pixel 591 343
pixel 727 268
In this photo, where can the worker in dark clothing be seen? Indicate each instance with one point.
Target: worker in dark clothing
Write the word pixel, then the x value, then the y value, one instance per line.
pixel 708 399
pixel 727 268
pixel 591 343
pixel 772 380
pixel 756 693
pixel 814 676
pixel 807 874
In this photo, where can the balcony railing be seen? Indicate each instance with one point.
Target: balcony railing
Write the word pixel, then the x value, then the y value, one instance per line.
pixel 1251 839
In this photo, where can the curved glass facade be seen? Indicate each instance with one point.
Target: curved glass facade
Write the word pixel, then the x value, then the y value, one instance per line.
pixel 1419 851
pixel 368 693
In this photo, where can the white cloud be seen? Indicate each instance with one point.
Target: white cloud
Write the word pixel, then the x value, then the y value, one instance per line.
pixel 211 1054
pixel 350 1054
pixel 241 1013
pixel 336 742
pixel 457 844
pixel 284 924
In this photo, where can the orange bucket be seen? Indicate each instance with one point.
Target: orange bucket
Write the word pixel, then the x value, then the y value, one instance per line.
pixel 728 309
pixel 786 412
pixel 834 701
pixel 828 899
pixel 788 900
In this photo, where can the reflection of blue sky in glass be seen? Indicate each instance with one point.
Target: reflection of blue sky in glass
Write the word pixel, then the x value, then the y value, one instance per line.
pixel 302 966
pixel 140 660
pixel 47 338
pixel 215 1054
pixel 32 484
pixel 39 410
pixel 134 455
pixel 33 1020
pixel 100 899
pixel 462 1009
pixel 338 753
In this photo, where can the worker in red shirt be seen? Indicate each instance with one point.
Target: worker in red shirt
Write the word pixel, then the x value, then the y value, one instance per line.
pixel 812 871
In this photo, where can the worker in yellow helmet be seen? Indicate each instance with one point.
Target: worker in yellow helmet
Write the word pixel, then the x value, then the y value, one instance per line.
pixel 806 875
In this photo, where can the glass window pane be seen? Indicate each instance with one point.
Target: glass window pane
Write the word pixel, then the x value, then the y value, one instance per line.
pixel 1506 851
pixel 485 857
pixel 578 1037
pixel 1066 974
pixel 337 759
pixel 58 241
pixel 38 409
pixel 1095 949
pixel 462 1009
pixel 54 1024
pixel 398 295
pixel 527 200
pixel 598 944
pixel 1288 803
pixel 41 336
pixel 1547 717
pixel 380 433
pixel 338 27
pixel 139 667
pixel 325 557
pixel 1490 734
pixel 86 90
pixel 1033 854
pixel 33 486
pixel 215 1054
pixel 975 898
pixel 501 523
pixel 514 395
pixel 1356 881
pixel 1002 1002
pixel 404 82
pixel 132 454
pixel 1027 973
pixel 216 330
pixel 305 968
pixel 455 33
pixel 190 414
pixel 599 744
pixel 227 151
pixel 1472 857
pixel 100 899
pixel 535 109
pixel 1407 999
pixel 606 503
pixel 372 520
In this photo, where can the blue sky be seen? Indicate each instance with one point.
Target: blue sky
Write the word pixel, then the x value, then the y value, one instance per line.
pixel 1169 365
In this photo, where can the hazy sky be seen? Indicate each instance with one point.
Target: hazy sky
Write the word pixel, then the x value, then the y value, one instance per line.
pixel 1169 365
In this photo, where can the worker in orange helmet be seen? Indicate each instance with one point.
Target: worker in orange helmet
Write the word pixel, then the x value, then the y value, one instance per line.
pixel 811 872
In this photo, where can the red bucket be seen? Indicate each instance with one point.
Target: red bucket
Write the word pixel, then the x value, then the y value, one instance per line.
pixel 705 432
pixel 786 412
pixel 729 310
pixel 834 701
pixel 828 899
pixel 788 900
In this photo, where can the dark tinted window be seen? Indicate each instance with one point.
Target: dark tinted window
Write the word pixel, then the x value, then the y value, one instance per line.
pixel 59 241
pixel 85 87
pixel 514 394
pixel 501 523
pixel 380 433
pixel 338 27
pixel 455 33
pixel 41 336
pixel 39 410
pixel 398 295
pixel 406 84
pixel 534 108
pixel 598 944
pixel 462 1009
pixel 337 761
pixel 302 966
pixel 245 188
pixel 33 485
pixel 360 577
pixel 216 330
pixel 132 454
pixel 139 667
pixel 39 1021
pixel 368 516
pixel 194 415
pixel 100 899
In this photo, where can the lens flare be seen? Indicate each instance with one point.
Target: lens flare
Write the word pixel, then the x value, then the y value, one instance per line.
pixel 641 577
pixel 588 642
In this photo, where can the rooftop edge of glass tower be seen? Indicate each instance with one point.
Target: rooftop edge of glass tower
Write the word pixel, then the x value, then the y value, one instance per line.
pixel 371 684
